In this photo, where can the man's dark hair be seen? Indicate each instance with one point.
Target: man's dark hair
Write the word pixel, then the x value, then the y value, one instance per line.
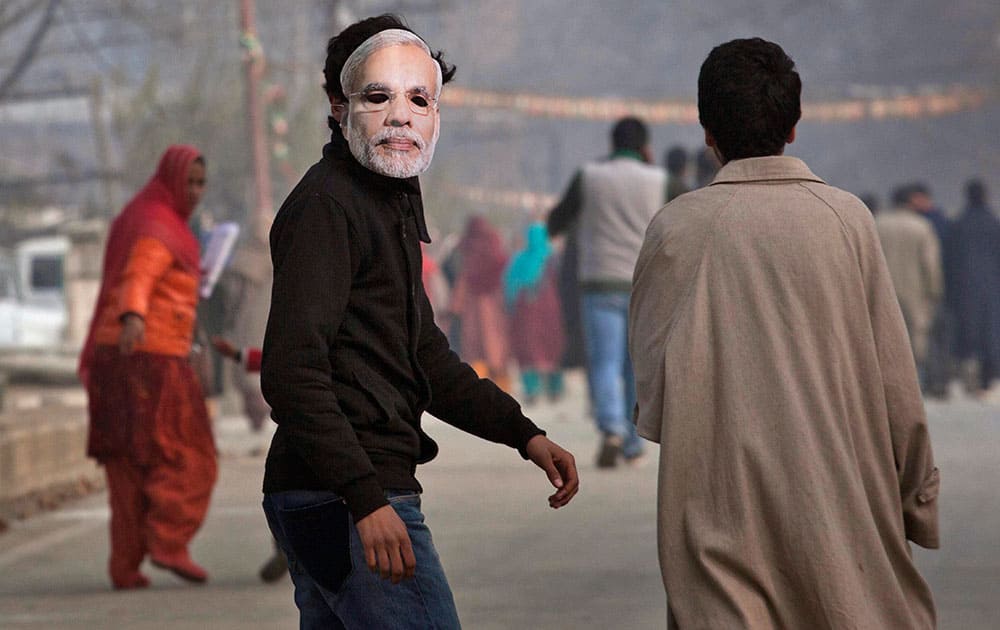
pixel 676 159
pixel 975 192
pixel 901 195
pixel 749 98
pixel 340 47
pixel 629 134
pixel 920 188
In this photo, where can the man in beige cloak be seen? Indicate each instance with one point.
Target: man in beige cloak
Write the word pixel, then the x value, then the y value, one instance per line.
pixel 773 367
pixel 913 255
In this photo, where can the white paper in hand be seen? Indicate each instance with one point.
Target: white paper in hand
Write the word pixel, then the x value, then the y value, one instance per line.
pixel 220 244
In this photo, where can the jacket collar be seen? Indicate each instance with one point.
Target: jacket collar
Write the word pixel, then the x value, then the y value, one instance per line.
pixel 337 149
pixel 626 153
pixel 762 169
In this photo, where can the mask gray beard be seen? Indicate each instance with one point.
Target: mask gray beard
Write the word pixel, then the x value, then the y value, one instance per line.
pixel 366 152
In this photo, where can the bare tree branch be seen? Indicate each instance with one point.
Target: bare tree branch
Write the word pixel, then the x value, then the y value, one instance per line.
pixel 10 18
pixel 30 50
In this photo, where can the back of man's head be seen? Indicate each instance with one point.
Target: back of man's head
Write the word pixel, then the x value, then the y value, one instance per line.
pixel 749 98
pixel 920 188
pixel 901 196
pixel 341 45
pixel 629 134
pixel 676 160
pixel 920 197
pixel 975 193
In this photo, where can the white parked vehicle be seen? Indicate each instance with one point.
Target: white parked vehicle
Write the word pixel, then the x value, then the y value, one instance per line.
pixel 33 311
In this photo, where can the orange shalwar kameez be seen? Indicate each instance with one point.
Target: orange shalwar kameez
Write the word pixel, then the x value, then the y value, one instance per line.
pixel 149 425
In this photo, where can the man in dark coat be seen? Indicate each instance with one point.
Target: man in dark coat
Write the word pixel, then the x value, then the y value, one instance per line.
pixel 972 281
pixel 352 356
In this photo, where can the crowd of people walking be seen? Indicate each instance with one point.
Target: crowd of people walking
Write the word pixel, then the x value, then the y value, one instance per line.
pixel 946 271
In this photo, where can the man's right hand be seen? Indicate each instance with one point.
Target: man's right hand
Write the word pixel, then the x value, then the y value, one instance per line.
pixel 387 544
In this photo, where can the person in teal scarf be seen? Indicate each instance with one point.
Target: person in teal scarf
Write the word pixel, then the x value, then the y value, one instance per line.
pixel 528 265
pixel 531 295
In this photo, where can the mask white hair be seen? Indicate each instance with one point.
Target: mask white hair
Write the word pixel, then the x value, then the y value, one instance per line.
pixel 383 39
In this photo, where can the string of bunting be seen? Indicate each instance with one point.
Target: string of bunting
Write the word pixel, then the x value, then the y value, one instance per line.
pixel 504 198
pixel 939 102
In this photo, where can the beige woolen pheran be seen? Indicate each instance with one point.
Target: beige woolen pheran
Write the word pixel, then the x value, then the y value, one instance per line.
pixel 912 254
pixel 774 369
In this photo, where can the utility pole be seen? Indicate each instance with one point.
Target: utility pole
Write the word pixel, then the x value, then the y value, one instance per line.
pixel 253 63
pixel 96 103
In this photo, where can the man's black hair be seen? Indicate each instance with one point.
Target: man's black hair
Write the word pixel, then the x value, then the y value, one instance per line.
pixel 629 134
pixel 901 195
pixel 920 188
pixel 749 98
pixel 676 159
pixel 340 47
pixel 975 192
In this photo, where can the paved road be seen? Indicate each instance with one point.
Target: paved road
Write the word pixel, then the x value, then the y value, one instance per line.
pixel 513 562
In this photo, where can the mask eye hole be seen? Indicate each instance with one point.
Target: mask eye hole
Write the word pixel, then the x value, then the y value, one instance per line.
pixel 420 100
pixel 376 98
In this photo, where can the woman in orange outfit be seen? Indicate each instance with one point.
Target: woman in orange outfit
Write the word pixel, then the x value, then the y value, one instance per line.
pixel 149 426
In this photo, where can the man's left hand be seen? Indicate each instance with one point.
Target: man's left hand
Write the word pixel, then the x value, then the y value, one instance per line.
pixel 559 466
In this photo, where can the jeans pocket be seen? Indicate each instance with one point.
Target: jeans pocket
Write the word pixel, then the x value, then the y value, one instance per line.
pixel 320 537
pixel 408 497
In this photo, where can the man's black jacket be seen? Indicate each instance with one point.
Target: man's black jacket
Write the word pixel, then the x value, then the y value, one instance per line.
pixel 352 356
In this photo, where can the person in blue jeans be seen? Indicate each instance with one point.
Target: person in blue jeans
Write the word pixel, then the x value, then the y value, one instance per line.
pixel 362 598
pixel 609 203
pixel 610 378
pixel 352 357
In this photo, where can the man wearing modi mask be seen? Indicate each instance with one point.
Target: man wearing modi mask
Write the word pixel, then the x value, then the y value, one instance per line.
pixel 352 357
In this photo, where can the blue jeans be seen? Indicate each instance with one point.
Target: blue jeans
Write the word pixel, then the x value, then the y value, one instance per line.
pixel 612 383
pixel 361 599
